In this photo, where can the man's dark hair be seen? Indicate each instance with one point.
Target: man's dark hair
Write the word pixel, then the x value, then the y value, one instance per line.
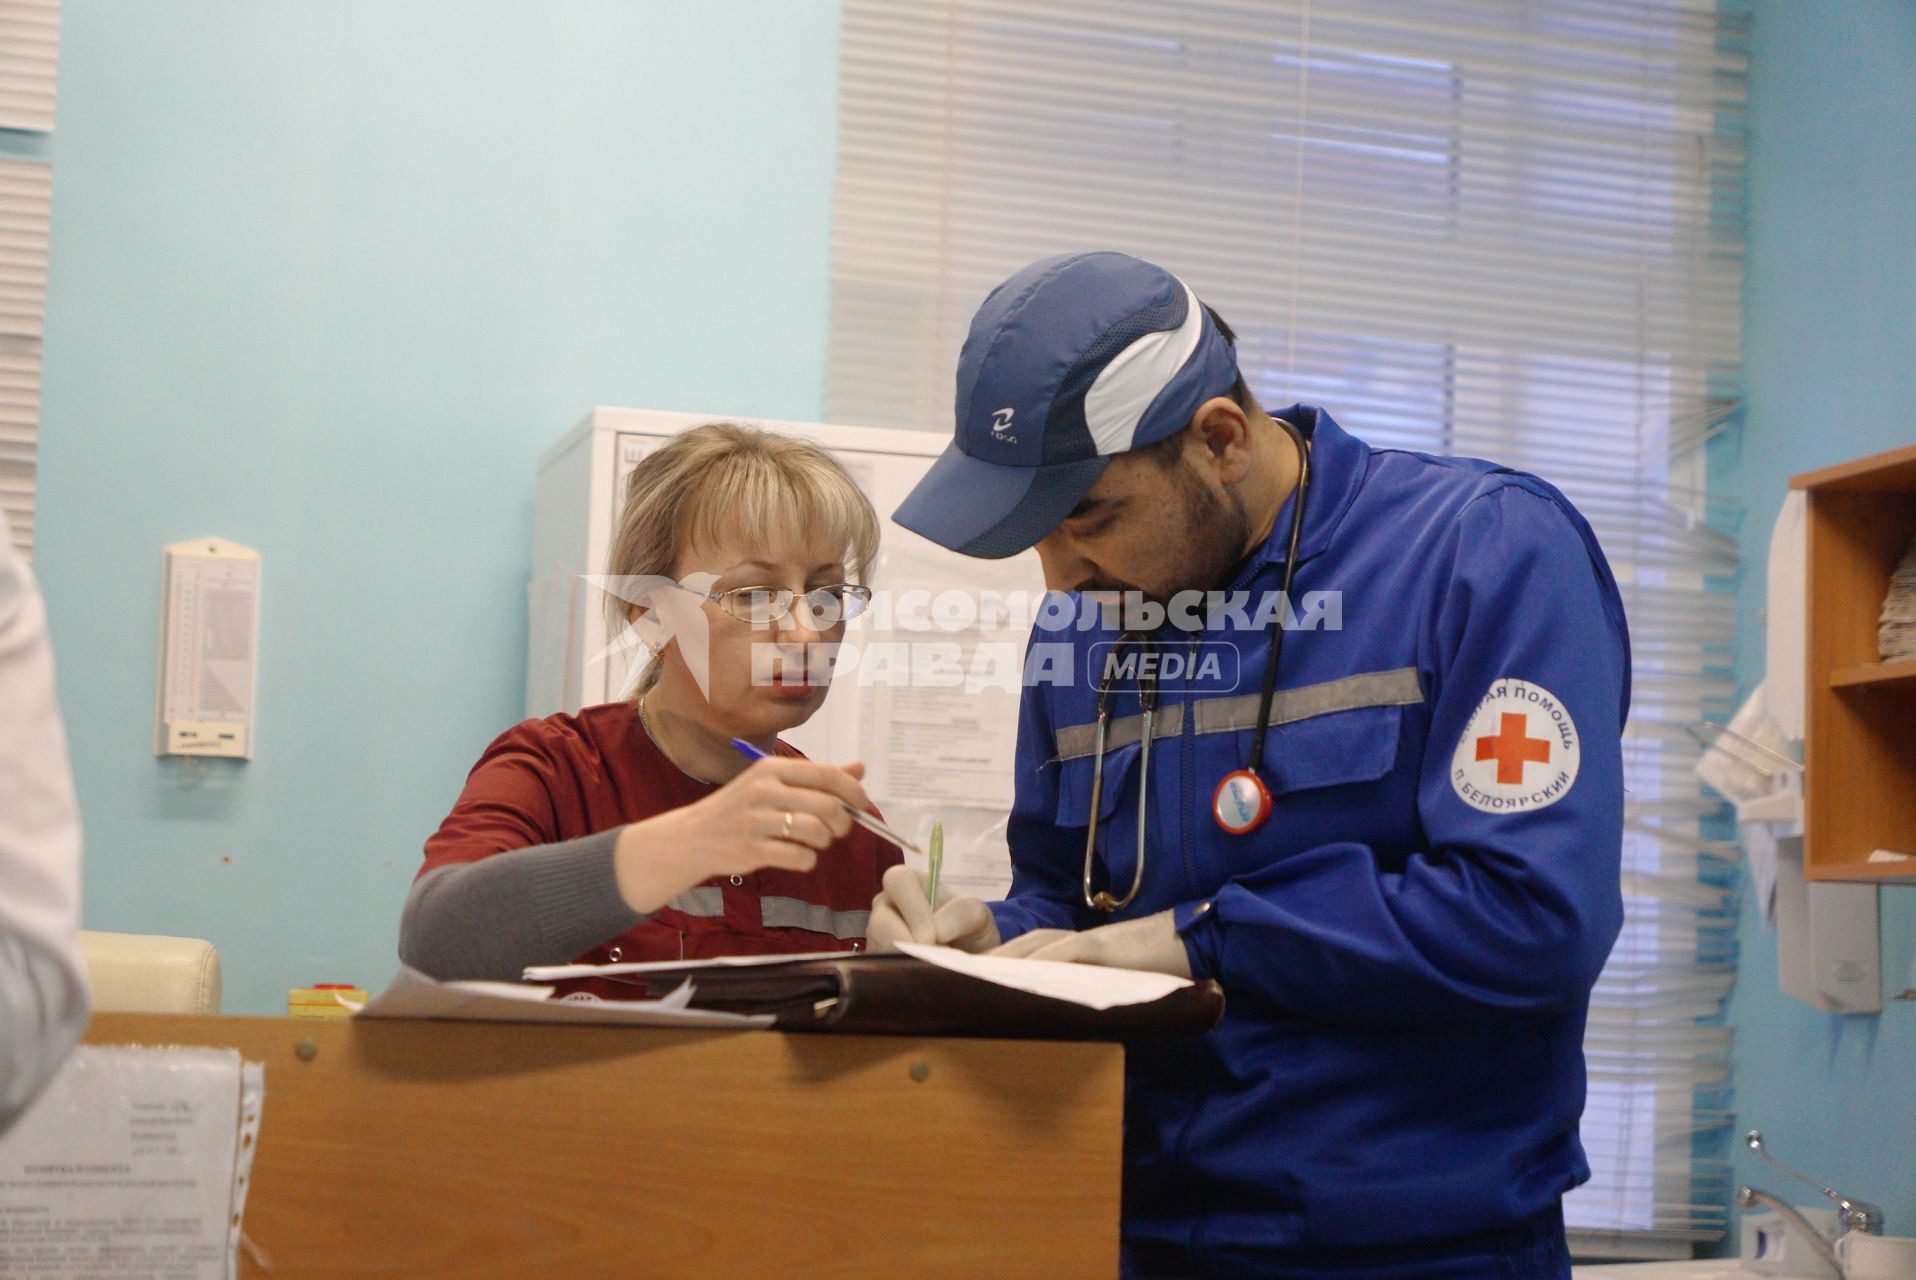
pixel 1165 452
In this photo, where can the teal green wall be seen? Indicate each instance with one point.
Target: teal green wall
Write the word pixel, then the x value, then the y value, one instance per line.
pixel 1830 367
pixel 326 278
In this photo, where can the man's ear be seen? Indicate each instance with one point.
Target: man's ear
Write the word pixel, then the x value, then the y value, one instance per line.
pixel 1223 430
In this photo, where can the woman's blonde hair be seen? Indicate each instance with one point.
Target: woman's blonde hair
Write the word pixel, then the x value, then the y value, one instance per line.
pixel 722 479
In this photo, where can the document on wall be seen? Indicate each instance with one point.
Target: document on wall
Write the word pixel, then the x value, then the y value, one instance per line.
pixel 133 1162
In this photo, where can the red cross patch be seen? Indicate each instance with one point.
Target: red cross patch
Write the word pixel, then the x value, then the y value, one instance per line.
pixel 1512 748
pixel 1519 752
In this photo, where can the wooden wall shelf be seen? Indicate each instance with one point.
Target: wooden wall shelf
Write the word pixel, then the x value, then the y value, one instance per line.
pixel 1879 674
pixel 1859 756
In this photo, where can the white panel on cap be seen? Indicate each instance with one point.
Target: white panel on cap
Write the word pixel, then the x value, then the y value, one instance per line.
pixel 1125 388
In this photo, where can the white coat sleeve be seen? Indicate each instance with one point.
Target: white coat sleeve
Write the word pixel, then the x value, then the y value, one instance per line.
pixel 43 993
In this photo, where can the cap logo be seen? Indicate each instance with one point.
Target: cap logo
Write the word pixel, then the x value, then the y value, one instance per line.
pixel 1001 421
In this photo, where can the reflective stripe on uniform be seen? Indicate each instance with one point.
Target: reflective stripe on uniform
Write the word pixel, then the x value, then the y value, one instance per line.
pixel 1396 688
pixel 705 901
pixel 792 913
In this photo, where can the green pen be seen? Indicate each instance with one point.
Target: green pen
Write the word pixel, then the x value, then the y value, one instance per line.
pixel 937 860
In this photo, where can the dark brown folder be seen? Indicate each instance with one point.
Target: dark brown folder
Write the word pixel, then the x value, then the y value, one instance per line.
pixel 902 995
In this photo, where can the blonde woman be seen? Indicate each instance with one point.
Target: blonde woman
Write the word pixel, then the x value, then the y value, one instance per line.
pixel 634 830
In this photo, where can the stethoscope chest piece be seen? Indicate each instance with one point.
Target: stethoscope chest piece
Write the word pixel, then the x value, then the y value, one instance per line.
pixel 1241 803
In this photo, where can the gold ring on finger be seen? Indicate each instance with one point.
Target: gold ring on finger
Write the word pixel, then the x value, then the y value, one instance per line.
pixel 788 824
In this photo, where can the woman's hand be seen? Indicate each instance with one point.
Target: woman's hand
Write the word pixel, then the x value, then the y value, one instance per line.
pixel 778 813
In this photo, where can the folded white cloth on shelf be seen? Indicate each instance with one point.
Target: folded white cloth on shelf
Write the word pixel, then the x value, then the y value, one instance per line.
pixel 1897 636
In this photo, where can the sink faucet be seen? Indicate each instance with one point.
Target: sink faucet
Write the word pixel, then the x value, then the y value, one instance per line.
pixel 1851 1215
pixel 1749 1197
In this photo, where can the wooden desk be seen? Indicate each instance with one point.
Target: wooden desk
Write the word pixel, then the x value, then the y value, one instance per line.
pixel 485 1150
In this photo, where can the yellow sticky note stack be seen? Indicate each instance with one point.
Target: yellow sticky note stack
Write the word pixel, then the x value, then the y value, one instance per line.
pixel 323 1000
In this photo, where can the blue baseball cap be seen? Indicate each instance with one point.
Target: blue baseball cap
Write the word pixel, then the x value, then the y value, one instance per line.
pixel 1069 363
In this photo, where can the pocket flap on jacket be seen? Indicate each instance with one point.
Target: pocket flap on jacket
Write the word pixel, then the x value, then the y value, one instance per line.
pixel 1077 776
pixel 1333 749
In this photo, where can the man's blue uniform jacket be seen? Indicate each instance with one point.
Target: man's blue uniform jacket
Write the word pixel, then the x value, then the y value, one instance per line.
pixel 1408 944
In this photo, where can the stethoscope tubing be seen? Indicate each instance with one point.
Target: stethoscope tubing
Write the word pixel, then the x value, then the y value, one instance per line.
pixel 1102 900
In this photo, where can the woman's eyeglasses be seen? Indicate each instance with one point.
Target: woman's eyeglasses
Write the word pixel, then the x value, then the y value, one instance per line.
pixel 825 607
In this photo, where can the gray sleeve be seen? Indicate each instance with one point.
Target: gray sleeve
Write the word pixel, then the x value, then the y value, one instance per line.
pixel 492 918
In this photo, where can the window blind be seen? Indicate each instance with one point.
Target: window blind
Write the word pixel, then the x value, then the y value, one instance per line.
pixel 1488 227
pixel 29 55
pixel 26 190
pixel 29 58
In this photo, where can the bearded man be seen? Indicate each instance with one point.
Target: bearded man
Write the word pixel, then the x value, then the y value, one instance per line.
pixel 1391 833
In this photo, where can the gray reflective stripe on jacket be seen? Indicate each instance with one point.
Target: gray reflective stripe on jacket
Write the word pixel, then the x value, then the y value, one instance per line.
pixel 791 913
pixel 1397 688
pixel 706 901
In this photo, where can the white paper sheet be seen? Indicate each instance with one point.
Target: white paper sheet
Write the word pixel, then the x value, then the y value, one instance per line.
pixel 1759 850
pixel 1768 795
pixel 1093 986
pixel 559 972
pixel 131 1164
pixel 1739 763
pixel 412 994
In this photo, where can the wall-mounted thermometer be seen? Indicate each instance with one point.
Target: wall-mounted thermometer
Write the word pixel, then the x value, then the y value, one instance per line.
pixel 209 649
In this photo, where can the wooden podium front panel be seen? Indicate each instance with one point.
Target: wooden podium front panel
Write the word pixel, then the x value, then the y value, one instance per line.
pixel 527 1152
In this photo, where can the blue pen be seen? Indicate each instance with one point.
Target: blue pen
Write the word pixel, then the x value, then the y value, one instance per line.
pixel 859 816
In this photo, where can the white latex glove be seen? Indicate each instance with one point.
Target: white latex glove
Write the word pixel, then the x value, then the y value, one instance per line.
pixel 902 913
pixel 1151 943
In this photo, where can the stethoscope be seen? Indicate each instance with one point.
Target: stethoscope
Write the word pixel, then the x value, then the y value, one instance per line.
pixel 1241 802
